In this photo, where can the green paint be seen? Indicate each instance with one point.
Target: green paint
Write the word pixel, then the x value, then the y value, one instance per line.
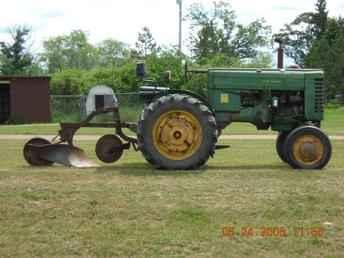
pixel 280 99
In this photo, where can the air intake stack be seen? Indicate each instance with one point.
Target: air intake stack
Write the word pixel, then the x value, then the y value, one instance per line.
pixel 280 54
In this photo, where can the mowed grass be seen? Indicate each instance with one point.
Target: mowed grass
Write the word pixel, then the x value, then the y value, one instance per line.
pixel 128 209
pixel 333 124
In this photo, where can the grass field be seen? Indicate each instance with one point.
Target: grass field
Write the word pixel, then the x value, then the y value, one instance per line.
pixel 128 209
pixel 333 124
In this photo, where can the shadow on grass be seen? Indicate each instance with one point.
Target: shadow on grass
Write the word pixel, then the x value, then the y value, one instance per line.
pixel 250 167
pixel 144 169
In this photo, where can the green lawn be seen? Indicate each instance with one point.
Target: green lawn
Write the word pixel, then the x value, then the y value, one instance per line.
pixel 128 209
pixel 333 124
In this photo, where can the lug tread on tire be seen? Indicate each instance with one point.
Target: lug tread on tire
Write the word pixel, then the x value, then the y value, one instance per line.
pixel 150 115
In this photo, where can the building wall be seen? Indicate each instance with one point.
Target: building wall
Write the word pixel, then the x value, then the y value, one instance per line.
pixel 30 99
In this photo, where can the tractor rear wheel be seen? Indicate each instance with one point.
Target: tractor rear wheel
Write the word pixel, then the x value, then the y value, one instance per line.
pixel 177 132
pixel 282 136
pixel 308 147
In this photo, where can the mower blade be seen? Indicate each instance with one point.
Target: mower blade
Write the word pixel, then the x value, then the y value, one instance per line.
pixel 66 155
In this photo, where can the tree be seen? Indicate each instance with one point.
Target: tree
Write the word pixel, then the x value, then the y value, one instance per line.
pixel 145 44
pixel 16 58
pixel 216 33
pixel 315 40
pixel 111 52
pixel 211 30
pixel 300 35
pixel 249 38
pixel 71 51
pixel 328 53
pixel 168 59
pixel 320 18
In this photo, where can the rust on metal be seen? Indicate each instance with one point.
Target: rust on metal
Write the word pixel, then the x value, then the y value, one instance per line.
pixel 40 152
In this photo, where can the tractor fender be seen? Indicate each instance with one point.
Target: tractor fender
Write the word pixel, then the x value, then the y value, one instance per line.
pixel 191 94
pixel 160 93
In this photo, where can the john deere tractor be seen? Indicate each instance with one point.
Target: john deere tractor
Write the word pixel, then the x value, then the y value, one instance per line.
pixel 179 129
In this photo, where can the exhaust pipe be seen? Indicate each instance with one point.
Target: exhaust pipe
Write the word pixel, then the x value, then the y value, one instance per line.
pixel 280 56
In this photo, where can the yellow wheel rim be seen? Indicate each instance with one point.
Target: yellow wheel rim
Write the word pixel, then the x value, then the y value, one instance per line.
pixel 177 135
pixel 308 150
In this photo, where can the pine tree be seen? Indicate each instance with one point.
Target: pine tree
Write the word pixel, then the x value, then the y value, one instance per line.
pixel 15 57
pixel 320 18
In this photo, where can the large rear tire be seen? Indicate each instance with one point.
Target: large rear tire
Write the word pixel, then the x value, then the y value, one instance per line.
pixel 308 147
pixel 177 132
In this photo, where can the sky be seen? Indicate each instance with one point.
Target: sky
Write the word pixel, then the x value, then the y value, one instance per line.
pixel 122 20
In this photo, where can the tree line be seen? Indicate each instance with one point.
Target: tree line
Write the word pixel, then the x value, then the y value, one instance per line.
pixel 217 39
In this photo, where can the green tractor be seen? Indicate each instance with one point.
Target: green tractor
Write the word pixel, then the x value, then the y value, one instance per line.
pixel 179 129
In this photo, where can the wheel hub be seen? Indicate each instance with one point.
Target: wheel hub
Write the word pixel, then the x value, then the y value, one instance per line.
pixel 308 149
pixel 177 135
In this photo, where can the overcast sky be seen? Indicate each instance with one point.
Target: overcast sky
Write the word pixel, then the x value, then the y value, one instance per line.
pixel 123 19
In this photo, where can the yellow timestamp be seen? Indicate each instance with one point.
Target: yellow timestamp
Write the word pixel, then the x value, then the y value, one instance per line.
pixel 268 231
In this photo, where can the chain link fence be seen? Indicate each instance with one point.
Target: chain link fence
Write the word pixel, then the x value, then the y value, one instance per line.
pixel 72 108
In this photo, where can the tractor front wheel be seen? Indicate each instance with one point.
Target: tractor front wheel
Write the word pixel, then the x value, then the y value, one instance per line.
pixel 177 132
pixel 282 136
pixel 308 147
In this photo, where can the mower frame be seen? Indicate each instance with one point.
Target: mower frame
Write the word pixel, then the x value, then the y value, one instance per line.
pixel 68 130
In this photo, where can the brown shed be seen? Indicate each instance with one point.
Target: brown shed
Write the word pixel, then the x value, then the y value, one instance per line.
pixel 24 99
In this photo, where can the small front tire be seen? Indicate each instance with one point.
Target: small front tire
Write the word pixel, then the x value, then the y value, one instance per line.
pixel 308 147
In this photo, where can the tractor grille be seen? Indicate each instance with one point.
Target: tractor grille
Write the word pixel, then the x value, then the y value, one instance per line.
pixel 319 95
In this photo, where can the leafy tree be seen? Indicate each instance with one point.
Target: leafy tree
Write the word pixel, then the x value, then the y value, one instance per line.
pixel 111 52
pixel 300 35
pixel 77 81
pixel 211 30
pixel 328 53
pixel 145 44
pixel 249 38
pixel 54 54
pixel 168 59
pixel 262 60
pixel 216 33
pixel 71 51
pixel 16 58
pixel 68 82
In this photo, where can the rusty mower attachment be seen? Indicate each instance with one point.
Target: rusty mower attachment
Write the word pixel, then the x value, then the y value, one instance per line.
pixel 61 150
